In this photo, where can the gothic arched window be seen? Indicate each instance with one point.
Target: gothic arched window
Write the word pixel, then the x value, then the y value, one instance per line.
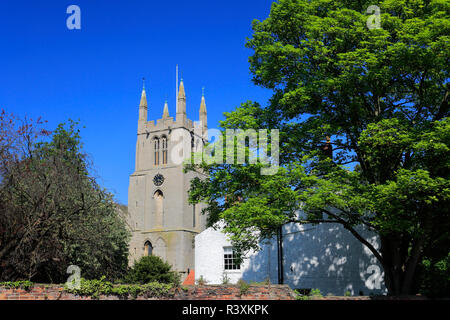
pixel 156 148
pixel 164 150
pixel 148 248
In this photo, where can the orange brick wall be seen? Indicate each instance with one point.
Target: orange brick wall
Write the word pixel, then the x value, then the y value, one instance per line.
pixel 211 292
pixel 230 292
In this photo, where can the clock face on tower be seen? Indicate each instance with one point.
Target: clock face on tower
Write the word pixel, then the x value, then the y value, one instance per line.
pixel 158 179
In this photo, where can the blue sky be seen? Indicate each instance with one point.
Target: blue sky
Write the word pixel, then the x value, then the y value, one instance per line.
pixel 94 74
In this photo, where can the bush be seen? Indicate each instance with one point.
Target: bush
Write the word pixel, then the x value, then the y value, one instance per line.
pixel 201 281
pixel 303 295
pixel 92 288
pixel 152 269
pixel 95 288
pixel 23 284
pixel 243 286
pixel 315 293
pixel 300 295
pixel 434 276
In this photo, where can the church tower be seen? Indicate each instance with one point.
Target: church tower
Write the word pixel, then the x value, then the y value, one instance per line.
pixel 162 221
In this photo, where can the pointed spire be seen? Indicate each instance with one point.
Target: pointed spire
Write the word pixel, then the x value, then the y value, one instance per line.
pixel 202 113
pixel 181 93
pixel 143 102
pixel 203 103
pixel 166 110
pixel 181 103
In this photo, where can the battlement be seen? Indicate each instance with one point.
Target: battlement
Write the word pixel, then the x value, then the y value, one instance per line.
pixel 166 122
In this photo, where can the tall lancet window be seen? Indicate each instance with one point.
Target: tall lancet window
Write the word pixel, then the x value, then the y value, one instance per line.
pixel 159 208
pixel 156 146
pixel 164 150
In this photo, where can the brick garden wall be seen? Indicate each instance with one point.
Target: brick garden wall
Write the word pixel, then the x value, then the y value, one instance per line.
pixel 207 292
pixel 221 292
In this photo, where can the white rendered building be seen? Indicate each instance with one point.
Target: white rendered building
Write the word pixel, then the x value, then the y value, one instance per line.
pixel 325 257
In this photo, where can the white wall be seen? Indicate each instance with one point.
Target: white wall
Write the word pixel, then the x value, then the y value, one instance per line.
pixel 324 256
pixel 209 261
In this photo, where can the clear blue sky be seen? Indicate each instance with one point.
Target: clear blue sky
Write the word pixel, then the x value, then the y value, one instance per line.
pixel 94 74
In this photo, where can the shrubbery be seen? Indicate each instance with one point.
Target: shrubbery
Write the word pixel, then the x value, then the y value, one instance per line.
pixel 314 293
pixel 150 277
pixel 151 269
pixel 95 288
pixel 23 284
pixel 434 276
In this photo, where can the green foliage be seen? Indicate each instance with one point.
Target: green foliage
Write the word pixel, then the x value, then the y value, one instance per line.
pixel 301 296
pixel 315 293
pixel 152 269
pixel 435 276
pixel 54 214
pixel 347 293
pixel 225 279
pixel 91 287
pixel 201 281
pixel 23 284
pixel 243 286
pixel 95 288
pixel 381 95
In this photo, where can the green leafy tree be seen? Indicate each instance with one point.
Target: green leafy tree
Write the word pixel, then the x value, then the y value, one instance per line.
pixel 380 95
pixel 54 214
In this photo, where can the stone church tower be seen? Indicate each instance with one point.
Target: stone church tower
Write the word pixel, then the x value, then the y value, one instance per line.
pixel 163 222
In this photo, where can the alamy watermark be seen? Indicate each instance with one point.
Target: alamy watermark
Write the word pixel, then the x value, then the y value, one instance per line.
pixel 375 278
pixel 232 146
pixel 374 20
pixel 74 280
pixel 74 20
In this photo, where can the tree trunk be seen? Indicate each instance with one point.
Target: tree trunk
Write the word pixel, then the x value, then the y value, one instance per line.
pixel 411 265
pixel 399 269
